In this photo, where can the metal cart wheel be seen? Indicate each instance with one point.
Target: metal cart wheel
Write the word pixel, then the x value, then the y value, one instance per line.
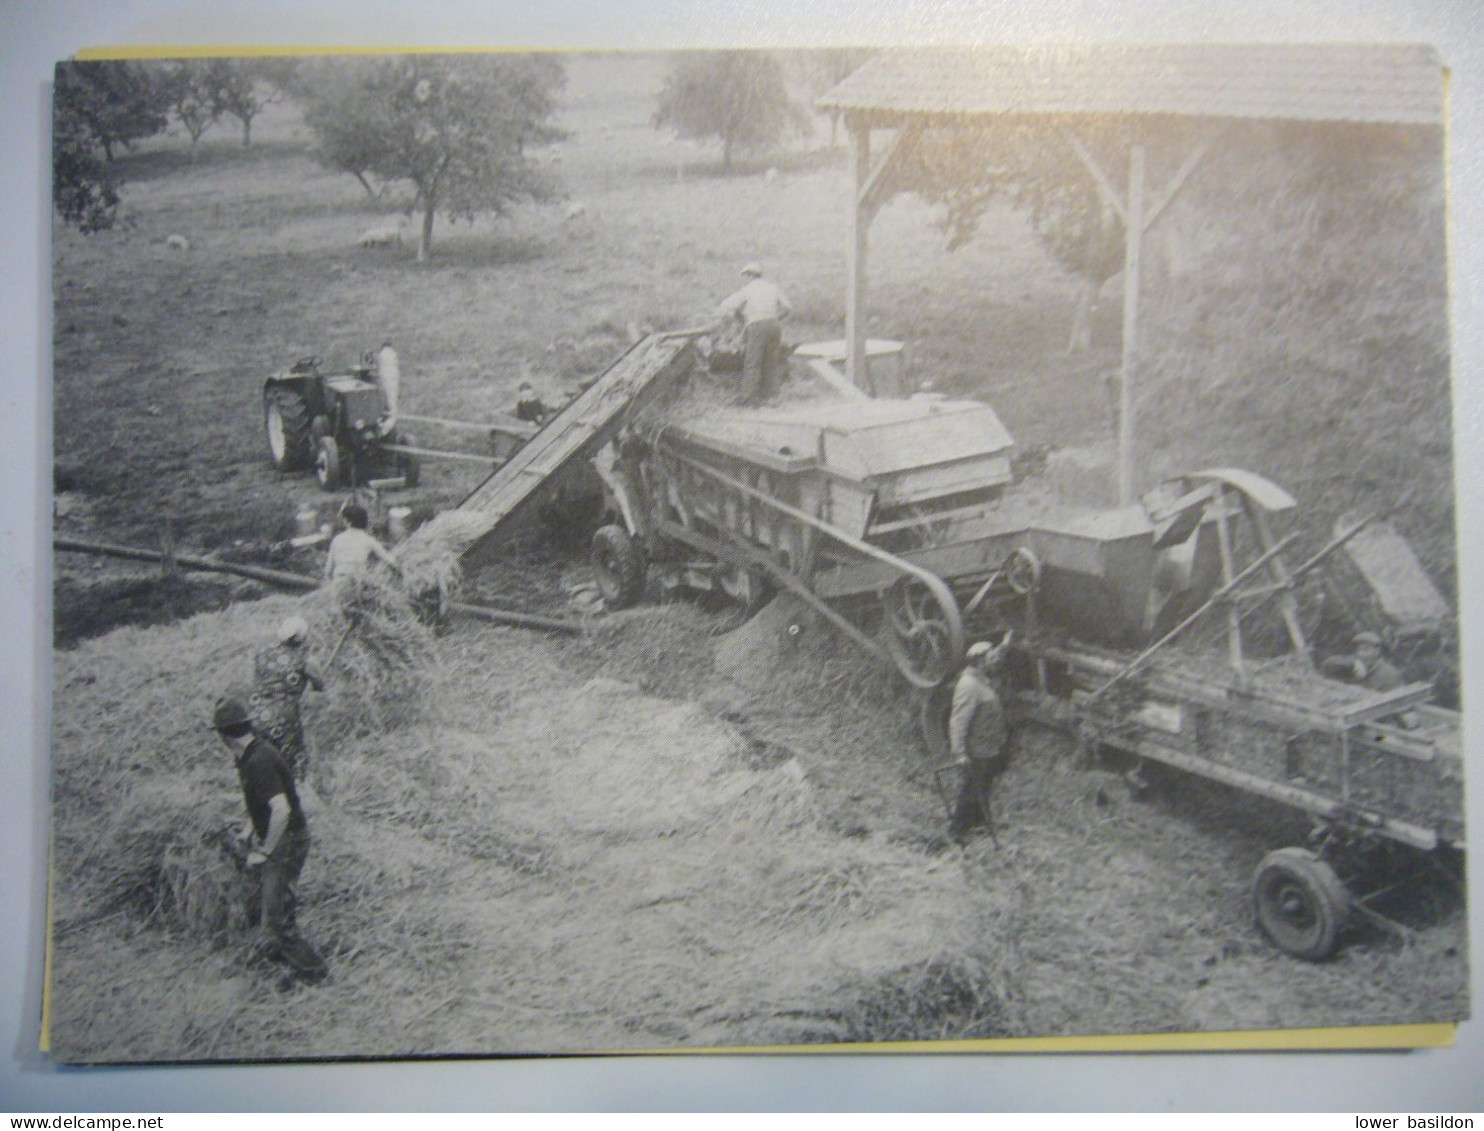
pixel 618 567
pixel 1300 903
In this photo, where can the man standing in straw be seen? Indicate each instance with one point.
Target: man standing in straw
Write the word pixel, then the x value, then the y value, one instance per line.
pixel 275 835
pixel 281 674
pixel 353 548
pixel 762 308
pixel 978 734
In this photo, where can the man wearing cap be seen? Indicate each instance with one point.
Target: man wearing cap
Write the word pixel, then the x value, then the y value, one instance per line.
pixel 761 307
pixel 276 834
pixel 528 406
pixel 281 673
pixel 977 733
pixel 1367 665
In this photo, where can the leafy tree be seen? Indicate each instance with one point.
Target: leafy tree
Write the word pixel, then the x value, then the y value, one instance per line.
pixel 240 88
pixel 116 102
pixel 192 98
pixel 455 127
pixel 738 97
pixel 1039 172
pixel 96 108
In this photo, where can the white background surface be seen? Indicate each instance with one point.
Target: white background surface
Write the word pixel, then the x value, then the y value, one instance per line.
pixel 33 39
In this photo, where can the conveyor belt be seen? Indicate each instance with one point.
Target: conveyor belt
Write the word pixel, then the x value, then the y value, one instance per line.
pixel 576 433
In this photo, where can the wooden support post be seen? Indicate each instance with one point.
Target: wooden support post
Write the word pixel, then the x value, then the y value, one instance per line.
pixel 1132 253
pixel 1233 614
pixel 855 260
pixel 1287 602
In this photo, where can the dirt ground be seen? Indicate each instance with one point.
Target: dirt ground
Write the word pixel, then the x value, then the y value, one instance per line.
pixel 647 836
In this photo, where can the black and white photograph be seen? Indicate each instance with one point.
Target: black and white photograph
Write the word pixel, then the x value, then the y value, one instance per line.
pixel 618 551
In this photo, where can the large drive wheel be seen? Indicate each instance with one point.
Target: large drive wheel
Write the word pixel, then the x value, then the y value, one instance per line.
pixel 618 566
pixel 286 423
pixel 327 463
pixel 1300 903
pixel 924 631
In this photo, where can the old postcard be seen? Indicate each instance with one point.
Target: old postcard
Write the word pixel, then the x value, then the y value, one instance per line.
pixel 587 552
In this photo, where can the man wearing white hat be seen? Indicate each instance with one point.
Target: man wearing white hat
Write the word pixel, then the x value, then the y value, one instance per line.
pixel 762 308
pixel 977 733
pixel 281 673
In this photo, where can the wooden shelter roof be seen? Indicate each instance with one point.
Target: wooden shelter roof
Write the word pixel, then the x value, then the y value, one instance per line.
pixel 1399 84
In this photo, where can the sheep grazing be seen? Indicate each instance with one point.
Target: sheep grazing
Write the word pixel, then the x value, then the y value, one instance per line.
pixel 771 174
pixel 385 236
pixel 178 242
pixel 576 211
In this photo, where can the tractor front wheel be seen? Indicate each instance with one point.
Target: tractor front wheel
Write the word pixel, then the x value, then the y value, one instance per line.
pixel 286 425
pixel 1300 903
pixel 618 567
pixel 327 467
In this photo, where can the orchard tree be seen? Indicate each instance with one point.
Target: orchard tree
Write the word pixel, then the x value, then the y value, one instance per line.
pixel 737 97
pixel 241 88
pixel 192 98
pixel 117 102
pixel 455 128
pixel 97 108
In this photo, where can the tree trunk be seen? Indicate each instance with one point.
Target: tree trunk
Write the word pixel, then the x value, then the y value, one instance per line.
pixel 365 184
pixel 726 155
pixel 1087 302
pixel 425 233
pixel 246 130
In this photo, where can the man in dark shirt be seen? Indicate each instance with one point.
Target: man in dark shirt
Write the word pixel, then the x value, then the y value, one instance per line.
pixel 276 834
pixel 528 406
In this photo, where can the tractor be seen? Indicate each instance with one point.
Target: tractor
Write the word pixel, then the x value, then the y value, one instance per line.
pixel 336 423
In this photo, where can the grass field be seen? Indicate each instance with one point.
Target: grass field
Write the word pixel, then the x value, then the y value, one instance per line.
pixel 635 839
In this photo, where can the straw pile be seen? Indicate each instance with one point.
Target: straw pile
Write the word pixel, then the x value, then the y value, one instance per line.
pixel 557 861
pixel 549 866
pixel 147 781
pixel 429 557
pixel 381 651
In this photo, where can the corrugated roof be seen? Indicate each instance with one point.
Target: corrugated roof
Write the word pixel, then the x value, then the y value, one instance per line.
pixel 1356 83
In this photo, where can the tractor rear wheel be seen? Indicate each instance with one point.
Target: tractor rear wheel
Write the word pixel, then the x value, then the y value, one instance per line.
pixel 327 463
pixel 1300 903
pixel 618 567
pixel 286 423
